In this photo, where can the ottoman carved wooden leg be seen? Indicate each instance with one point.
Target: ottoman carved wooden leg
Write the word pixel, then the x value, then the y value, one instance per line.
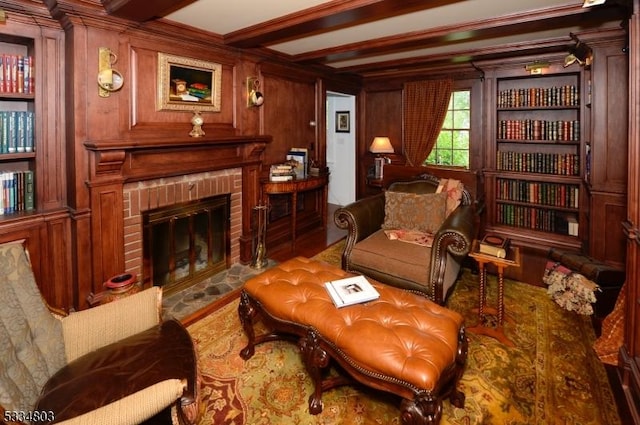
pixel 315 360
pixel 424 408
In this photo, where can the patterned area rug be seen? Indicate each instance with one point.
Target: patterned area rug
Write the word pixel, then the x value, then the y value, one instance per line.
pixel 552 376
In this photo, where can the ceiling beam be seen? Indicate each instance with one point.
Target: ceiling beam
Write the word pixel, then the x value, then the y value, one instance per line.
pixel 557 17
pixel 142 10
pixel 325 17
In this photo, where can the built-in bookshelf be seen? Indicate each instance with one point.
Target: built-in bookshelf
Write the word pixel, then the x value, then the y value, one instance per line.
pixel 17 125
pixel 535 179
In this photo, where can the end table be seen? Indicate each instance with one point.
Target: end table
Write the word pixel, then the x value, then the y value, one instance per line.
pixel 512 260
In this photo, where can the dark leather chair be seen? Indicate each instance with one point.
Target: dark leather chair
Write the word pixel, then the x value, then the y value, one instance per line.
pixel 431 271
pixel 115 363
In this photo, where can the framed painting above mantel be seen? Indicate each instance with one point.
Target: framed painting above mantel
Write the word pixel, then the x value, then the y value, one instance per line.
pixel 187 84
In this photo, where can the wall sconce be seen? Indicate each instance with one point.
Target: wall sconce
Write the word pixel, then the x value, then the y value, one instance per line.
pixel 254 96
pixel 536 67
pixel 379 146
pixel 580 53
pixel 109 79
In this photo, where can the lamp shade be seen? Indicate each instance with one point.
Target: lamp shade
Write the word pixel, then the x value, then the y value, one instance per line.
pixel 381 145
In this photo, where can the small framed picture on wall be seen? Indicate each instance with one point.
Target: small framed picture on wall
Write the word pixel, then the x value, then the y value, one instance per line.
pixel 343 122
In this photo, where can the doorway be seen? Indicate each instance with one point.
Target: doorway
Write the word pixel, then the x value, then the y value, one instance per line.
pixel 341 148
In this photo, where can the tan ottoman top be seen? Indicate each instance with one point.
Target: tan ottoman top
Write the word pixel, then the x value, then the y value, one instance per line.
pixel 400 335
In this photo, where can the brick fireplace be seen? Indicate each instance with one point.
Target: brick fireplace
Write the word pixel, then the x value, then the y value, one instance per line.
pixel 130 176
pixel 163 193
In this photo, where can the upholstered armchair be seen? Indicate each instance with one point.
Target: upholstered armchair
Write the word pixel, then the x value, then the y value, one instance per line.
pixel 117 363
pixel 415 235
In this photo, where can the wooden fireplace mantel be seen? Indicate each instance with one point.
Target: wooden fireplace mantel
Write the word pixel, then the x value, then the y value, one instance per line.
pixel 112 163
pixel 140 159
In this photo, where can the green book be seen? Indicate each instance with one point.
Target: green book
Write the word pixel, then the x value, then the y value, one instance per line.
pixel 29 190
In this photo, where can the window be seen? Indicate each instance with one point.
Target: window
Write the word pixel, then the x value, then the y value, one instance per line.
pixel 452 146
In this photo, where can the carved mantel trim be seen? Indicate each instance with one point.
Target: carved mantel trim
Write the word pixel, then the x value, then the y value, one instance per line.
pixel 140 159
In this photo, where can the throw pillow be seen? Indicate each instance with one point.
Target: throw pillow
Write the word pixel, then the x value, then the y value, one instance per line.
pixel 453 188
pixel 424 212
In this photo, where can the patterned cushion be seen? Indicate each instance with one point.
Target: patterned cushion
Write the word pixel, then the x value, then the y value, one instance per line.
pixel 32 338
pixel 453 188
pixel 423 212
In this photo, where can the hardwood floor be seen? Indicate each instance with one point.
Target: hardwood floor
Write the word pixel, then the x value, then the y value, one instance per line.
pixel 311 243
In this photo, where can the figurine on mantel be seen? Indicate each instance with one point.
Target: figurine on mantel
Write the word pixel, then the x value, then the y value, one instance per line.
pixel 197 122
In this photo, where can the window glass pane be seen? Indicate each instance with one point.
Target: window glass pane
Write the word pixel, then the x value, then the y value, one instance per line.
pixel 462 99
pixel 452 146
pixel 448 120
pixel 461 119
pixel 445 140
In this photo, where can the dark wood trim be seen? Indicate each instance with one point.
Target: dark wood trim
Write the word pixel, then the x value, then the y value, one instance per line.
pixel 557 17
pixel 140 10
pixel 325 17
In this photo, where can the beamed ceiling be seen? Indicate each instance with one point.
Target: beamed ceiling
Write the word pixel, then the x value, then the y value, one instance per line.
pixel 374 37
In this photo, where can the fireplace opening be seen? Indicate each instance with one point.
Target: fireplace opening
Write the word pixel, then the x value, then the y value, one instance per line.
pixel 186 243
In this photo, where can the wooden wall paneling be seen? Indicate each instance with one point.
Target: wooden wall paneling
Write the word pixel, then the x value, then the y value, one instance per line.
pixel 56 282
pixel 107 234
pixel 50 181
pixel 607 240
pixel 609 117
pixel 382 114
pixel 289 107
pixel 629 358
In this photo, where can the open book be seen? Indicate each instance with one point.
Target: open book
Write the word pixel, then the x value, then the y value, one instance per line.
pixel 351 290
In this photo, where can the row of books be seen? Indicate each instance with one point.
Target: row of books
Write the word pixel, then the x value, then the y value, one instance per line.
pixel 552 194
pixel 16 74
pixel 16 132
pixel 17 191
pixel 567 95
pixel 537 219
pixel 539 130
pixel 539 162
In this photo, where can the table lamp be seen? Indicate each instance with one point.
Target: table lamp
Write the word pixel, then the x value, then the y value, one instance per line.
pixel 380 146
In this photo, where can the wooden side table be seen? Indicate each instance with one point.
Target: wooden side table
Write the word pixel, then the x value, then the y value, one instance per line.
pixel 512 260
pixel 293 188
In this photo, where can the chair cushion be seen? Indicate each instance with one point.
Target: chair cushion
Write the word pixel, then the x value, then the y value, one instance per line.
pixel 32 343
pixel 424 212
pixel 404 260
pixel 120 369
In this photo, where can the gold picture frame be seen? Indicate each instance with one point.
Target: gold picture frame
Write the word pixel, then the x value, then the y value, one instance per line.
pixel 186 84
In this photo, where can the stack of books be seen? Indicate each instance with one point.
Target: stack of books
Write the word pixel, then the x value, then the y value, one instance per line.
pixel 495 245
pixel 281 173
pixel 199 90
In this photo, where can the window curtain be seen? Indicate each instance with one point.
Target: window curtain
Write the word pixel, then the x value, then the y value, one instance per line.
pixel 425 107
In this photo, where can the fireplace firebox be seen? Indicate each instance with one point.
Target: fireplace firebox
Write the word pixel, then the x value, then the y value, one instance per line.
pixel 186 243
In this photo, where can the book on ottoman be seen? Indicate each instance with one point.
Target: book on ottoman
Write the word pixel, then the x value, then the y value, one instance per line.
pixel 351 290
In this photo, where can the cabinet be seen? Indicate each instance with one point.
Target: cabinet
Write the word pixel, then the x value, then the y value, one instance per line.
pixel 535 190
pixel 32 161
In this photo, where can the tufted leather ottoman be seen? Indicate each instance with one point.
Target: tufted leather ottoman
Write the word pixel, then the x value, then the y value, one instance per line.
pixel 401 343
